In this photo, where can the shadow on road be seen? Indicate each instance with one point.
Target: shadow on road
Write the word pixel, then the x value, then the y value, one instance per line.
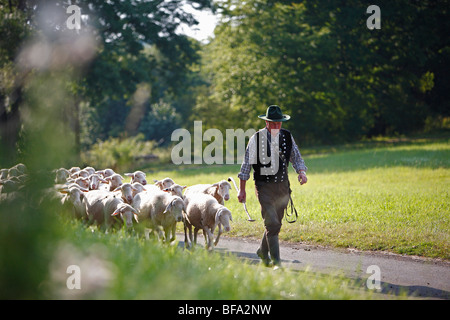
pixel 421 292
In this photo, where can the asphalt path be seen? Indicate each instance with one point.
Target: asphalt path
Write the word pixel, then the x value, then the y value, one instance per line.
pixel 417 276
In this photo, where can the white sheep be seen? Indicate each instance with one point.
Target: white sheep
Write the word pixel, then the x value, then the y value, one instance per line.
pixel 9 185
pixel 205 212
pixel 164 183
pixel 73 199
pixel 137 176
pixel 126 191
pixel 115 181
pixel 101 207
pixel 81 173
pixel 67 186
pixel 159 209
pixel 105 172
pixel 219 190
pixel 82 182
pixel 3 174
pixel 61 175
pixel 90 170
pixel 137 188
pixel 94 181
pixel 175 190
pixel 17 170
pixel 74 169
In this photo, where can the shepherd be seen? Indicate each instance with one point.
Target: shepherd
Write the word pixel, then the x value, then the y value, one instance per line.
pixel 269 152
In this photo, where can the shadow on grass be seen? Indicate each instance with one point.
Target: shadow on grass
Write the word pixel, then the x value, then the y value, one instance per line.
pixel 359 283
pixel 425 155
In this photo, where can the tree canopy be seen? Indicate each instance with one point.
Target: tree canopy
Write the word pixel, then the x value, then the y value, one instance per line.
pixel 338 79
pixel 318 60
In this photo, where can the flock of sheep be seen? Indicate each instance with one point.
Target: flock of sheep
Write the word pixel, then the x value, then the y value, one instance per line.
pixel 100 197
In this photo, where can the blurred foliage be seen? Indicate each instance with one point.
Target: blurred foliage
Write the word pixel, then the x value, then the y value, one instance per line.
pixel 119 154
pixel 159 123
pixel 135 45
pixel 48 75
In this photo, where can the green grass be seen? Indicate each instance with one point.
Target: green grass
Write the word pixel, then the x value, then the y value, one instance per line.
pixel 123 266
pixel 383 197
pixel 387 196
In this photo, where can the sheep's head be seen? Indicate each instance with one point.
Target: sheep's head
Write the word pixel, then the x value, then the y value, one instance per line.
pixel 175 190
pixel 127 192
pixel 137 176
pixel 164 183
pixel 82 182
pixel 223 216
pixel 94 181
pixel 175 207
pixel 61 175
pixel 223 189
pixel 138 188
pixel 126 213
pixel 115 180
pixel 76 195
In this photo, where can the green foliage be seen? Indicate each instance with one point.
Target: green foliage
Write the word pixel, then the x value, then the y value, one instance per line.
pixel 119 154
pixel 160 122
pixel 320 63
pixel 131 268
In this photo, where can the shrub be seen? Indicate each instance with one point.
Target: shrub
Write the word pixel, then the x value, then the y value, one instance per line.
pixel 119 154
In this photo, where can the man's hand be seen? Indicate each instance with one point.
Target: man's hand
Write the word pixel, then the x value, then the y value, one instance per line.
pixel 242 196
pixel 302 178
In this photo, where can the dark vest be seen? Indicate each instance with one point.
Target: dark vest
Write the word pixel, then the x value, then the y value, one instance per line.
pixel 263 157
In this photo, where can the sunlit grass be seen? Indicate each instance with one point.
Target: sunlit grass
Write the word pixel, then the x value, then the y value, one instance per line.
pixel 129 267
pixel 393 198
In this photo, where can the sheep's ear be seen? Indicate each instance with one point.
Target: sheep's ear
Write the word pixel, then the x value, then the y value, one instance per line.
pixel 64 191
pixel 215 184
pixel 136 212
pixel 218 214
pixel 184 187
pixel 167 190
pixel 158 183
pixel 129 174
pixel 117 189
pixel 115 213
pixel 169 206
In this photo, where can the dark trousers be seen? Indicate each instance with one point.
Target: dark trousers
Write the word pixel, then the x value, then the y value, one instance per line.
pixel 273 198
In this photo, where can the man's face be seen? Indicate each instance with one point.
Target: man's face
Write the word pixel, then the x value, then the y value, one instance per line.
pixel 273 127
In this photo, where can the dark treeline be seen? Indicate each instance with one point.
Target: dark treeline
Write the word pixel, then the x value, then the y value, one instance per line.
pixel 318 60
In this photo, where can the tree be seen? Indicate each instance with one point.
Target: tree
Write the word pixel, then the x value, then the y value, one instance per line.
pixel 160 122
pixel 320 62
pixel 119 32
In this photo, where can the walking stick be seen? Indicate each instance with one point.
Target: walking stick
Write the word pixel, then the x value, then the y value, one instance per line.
pixel 245 206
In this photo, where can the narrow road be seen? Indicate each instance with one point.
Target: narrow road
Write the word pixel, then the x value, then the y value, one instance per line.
pixel 420 277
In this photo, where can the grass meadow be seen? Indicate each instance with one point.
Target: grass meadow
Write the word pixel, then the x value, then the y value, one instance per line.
pixel 374 196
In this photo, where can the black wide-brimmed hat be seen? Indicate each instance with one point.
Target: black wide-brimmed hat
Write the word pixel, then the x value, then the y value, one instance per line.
pixel 274 114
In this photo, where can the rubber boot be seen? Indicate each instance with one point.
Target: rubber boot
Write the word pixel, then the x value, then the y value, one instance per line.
pixel 274 249
pixel 263 251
